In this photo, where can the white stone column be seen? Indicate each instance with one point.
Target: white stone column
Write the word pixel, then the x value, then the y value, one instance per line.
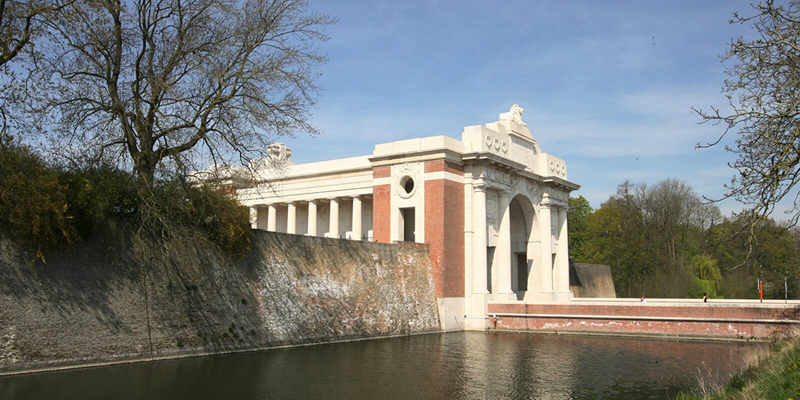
pixel 562 257
pixel 546 253
pixel 356 218
pixel 291 219
pixel 503 251
pixel 253 218
pixel 272 218
pixel 479 223
pixel 312 218
pixel 334 225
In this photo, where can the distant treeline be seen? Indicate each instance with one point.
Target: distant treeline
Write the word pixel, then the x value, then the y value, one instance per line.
pixel 663 241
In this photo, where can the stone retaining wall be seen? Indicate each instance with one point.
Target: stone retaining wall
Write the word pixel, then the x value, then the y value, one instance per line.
pixel 91 305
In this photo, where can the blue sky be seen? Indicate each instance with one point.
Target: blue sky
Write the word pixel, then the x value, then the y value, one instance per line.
pixel 606 85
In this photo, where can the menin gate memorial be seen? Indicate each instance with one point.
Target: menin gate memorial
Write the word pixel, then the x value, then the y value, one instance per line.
pixel 492 207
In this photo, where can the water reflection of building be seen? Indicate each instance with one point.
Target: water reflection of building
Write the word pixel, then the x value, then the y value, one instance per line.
pixel 492 207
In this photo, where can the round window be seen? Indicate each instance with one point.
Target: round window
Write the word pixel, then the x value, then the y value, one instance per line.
pixel 408 184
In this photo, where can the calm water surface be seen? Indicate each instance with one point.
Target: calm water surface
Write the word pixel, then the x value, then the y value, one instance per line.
pixel 438 366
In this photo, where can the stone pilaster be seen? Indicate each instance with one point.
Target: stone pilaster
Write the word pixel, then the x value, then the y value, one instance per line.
pixel 546 255
pixel 272 218
pixel 479 285
pixel 291 218
pixel 312 218
pixel 356 218
pixel 503 252
pixel 334 224
pixel 562 257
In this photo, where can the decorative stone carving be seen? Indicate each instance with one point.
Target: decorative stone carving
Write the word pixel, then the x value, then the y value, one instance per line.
pixel 514 114
pixel 496 175
pixel 495 144
pixel 279 152
pixel 514 184
pixel 402 174
pixel 532 191
pixel 558 197
pixel 491 207
pixel 558 169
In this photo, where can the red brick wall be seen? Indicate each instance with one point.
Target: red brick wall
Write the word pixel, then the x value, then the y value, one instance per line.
pixel 381 172
pixel 381 213
pixel 381 206
pixel 444 230
pixel 718 320
pixel 442 165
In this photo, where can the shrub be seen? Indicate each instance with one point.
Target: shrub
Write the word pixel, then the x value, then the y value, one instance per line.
pixel 95 194
pixel 33 205
pixel 46 208
pixel 173 210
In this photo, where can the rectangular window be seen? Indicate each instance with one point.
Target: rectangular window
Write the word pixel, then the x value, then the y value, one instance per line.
pixel 408 221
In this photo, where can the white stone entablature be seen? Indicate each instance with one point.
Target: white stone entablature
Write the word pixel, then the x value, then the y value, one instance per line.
pixel 492 207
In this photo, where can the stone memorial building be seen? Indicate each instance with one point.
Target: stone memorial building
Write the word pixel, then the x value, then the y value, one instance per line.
pixel 492 208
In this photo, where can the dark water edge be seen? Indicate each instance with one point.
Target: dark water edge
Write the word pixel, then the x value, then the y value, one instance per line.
pixel 464 365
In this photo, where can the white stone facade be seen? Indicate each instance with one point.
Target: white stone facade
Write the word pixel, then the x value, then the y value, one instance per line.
pixel 492 207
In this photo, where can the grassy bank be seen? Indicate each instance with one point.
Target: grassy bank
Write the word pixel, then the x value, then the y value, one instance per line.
pixel 775 377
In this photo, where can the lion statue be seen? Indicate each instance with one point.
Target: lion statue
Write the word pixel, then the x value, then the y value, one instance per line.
pixel 514 114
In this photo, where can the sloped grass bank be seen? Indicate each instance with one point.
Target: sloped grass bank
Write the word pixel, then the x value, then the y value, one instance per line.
pixel 775 377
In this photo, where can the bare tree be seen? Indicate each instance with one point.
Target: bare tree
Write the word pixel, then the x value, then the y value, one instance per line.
pixel 171 80
pixel 763 92
pixel 20 23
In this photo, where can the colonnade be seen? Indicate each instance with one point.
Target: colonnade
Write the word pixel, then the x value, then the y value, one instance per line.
pixel 266 217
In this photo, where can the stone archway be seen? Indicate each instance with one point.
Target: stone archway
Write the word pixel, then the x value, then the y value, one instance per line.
pixel 524 245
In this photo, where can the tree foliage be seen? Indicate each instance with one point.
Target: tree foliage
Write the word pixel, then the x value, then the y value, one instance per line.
pixel 579 210
pixel 661 240
pixel 33 205
pixel 167 81
pixel 647 230
pixel 47 208
pixel 763 92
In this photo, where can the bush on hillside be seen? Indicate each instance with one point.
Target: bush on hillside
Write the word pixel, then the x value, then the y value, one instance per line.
pixel 95 194
pixel 33 204
pixel 46 208
pixel 174 209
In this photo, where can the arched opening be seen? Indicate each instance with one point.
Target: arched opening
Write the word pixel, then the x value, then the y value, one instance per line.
pixel 524 241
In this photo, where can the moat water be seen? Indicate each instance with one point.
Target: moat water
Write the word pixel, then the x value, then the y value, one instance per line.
pixel 497 365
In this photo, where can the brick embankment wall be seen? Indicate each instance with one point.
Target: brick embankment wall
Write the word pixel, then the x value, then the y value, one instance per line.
pixel 90 306
pixel 742 321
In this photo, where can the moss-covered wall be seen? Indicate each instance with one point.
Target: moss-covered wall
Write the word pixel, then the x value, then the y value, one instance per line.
pixel 89 305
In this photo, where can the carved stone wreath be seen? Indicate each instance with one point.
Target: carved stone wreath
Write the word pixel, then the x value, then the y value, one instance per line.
pixel 403 172
pixel 494 143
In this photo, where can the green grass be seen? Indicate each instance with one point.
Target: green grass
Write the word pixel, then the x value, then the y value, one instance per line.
pixel 775 377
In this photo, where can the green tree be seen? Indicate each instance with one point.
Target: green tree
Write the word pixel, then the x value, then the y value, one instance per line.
pixel 578 225
pixel 33 205
pixel 648 234
pixel 707 276
pixel 773 256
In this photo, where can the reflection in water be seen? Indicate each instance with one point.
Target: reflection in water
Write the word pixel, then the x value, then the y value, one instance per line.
pixel 438 366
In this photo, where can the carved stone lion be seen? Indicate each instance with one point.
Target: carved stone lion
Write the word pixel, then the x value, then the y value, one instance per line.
pixel 514 114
